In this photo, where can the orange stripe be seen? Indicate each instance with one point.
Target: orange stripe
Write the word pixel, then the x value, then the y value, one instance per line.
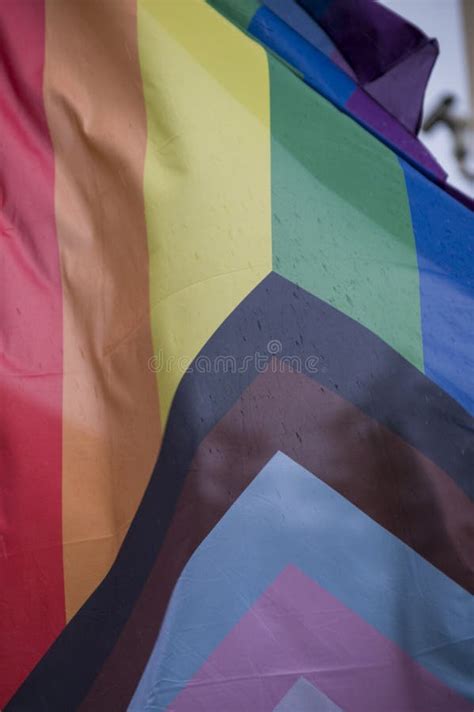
pixel 95 108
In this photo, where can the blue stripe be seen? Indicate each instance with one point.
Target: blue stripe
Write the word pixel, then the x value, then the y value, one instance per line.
pixel 287 515
pixel 444 236
pixel 317 69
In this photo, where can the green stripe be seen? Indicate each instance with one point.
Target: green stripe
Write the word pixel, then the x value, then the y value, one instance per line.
pixel 341 220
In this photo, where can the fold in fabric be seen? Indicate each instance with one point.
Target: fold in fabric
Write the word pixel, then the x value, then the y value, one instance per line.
pixel 391 58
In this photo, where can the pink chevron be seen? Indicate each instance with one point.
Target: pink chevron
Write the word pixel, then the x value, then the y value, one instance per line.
pixel 296 628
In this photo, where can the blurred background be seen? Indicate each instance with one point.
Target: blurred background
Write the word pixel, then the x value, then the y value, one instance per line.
pixel 452 23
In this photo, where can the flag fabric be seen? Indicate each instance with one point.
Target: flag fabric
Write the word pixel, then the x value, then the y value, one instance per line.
pixel 237 363
pixel 384 90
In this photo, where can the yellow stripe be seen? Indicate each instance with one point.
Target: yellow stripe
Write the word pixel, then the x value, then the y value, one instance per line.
pixel 207 175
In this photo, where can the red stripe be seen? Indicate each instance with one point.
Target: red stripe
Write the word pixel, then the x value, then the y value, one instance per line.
pixel 31 571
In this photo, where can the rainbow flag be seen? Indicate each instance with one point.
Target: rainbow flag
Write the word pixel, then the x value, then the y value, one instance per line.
pixel 237 363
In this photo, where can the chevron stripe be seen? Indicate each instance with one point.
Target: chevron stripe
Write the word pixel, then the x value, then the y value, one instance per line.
pixel 386 478
pixel 385 388
pixel 304 697
pixel 288 516
pixel 296 626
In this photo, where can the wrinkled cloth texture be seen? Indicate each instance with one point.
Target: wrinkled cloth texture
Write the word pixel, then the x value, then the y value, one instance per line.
pixel 236 364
